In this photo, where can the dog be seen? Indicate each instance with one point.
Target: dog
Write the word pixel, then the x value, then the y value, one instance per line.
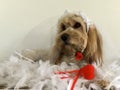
pixel 74 35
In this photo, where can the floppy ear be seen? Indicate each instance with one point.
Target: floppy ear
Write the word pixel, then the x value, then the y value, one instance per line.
pixel 93 51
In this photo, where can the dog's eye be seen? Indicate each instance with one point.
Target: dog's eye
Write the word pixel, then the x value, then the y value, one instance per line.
pixel 77 25
pixel 63 27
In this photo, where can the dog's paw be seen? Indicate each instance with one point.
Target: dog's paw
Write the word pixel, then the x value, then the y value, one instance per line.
pixel 102 84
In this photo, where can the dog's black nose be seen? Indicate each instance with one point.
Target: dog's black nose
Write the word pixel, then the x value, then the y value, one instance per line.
pixel 65 37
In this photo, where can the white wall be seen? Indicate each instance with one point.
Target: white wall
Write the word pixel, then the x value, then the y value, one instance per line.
pixel 18 17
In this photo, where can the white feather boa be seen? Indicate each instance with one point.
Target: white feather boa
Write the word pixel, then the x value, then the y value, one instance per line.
pixel 17 73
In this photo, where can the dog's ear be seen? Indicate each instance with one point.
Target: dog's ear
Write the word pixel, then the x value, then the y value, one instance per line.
pixel 93 51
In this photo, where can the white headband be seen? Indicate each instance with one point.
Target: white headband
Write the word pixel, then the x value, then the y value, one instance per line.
pixel 84 16
pixel 86 19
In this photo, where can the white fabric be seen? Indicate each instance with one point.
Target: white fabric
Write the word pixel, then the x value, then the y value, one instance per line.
pixel 86 19
pixel 41 75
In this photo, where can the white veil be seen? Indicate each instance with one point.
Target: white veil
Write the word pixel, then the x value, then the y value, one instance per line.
pixel 43 36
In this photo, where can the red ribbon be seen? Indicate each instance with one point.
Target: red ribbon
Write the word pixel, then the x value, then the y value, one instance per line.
pixel 87 72
pixel 79 56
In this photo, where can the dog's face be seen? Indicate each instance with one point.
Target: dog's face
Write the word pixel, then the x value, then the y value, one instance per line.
pixel 73 36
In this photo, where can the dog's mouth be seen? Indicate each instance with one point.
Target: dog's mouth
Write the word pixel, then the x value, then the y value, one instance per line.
pixel 67 50
pixel 70 49
pixel 72 44
pixel 77 48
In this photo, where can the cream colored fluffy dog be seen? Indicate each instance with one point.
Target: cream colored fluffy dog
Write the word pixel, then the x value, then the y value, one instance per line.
pixel 74 36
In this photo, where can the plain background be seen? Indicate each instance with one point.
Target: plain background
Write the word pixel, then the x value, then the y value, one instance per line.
pixel 18 17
